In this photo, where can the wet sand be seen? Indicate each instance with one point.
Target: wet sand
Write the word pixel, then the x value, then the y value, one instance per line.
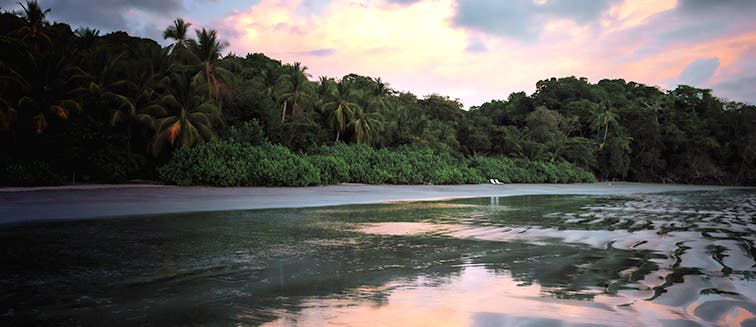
pixel 19 205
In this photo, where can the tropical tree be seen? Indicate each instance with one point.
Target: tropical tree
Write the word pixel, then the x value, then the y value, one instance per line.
pixel 602 118
pixel 183 118
pixel 341 108
pixel 296 89
pixel 366 126
pixel 14 57
pixel 269 79
pixel 614 160
pixel 211 73
pixel 87 37
pixel 178 32
pixel 326 87
pixel 33 31
pixel 380 94
pixel 42 89
pixel 115 93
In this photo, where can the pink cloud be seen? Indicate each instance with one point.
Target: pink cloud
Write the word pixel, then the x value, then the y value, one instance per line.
pixel 416 47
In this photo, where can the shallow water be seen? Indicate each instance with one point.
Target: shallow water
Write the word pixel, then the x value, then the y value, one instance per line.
pixel 674 259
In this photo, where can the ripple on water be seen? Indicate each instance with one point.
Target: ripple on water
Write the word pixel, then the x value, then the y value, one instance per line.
pixel 674 259
pixel 705 246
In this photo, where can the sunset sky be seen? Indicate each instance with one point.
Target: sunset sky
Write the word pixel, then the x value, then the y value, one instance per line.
pixel 474 50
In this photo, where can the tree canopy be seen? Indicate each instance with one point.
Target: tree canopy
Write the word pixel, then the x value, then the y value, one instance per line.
pixel 77 104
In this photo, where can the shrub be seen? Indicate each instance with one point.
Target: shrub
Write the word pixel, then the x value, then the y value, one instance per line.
pixel 275 165
pixel 246 133
pixel 227 163
pixel 333 170
pixel 404 165
pixel 220 163
pixel 508 170
pixel 115 165
pixel 29 173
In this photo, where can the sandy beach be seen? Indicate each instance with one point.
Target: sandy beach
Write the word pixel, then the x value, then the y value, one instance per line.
pixel 19 205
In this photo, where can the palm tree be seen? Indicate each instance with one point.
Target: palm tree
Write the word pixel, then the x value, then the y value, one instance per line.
pixel 145 71
pixel 14 54
pixel 33 32
pixel 107 90
pixel 603 118
pixel 380 94
pixel 269 78
pixel 326 87
pixel 147 66
pixel 105 84
pixel 296 89
pixel 323 93
pixel 177 32
pixel 207 50
pixel 36 89
pixel 183 117
pixel 366 126
pixel 342 108
pixel 87 37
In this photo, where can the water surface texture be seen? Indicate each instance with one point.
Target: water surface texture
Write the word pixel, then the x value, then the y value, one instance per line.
pixel 673 259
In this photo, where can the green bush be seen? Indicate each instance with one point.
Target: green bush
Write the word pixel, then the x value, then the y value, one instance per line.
pixel 404 165
pixel 333 170
pixel 508 170
pixel 226 163
pixel 246 133
pixel 115 165
pixel 489 167
pixel 220 163
pixel 275 165
pixel 29 173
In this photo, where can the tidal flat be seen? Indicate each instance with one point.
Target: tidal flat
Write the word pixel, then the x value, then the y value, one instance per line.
pixel 675 258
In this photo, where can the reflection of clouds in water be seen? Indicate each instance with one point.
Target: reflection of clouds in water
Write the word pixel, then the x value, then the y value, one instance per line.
pixel 476 297
pixel 704 242
pixel 534 259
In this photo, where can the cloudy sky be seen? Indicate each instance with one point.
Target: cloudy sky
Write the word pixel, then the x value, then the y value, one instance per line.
pixel 474 50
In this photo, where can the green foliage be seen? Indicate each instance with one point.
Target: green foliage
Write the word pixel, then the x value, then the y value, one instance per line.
pixel 405 165
pixel 333 170
pixel 251 103
pixel 115 165
pixel 509 170
pixel 109 106
pixel 247 133
pixel 275 165
pixel 219 163
pixel 224 163
pixel 29 173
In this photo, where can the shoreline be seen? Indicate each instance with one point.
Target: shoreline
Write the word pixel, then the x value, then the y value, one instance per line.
pixel 77 202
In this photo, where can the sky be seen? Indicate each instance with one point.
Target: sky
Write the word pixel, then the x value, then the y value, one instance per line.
pixel 473 50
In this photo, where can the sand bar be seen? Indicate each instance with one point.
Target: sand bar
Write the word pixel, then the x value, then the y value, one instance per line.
pixel 19 205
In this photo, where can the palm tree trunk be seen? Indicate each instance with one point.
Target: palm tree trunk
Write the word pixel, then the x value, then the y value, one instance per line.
pixel 283 113
pixel 207 78
pixel 338 133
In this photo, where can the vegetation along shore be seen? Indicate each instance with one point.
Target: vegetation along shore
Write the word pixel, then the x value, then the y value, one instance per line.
pixel 77 106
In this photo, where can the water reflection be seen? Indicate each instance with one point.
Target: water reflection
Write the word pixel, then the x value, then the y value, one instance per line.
pixel 475 297
pixel 665 259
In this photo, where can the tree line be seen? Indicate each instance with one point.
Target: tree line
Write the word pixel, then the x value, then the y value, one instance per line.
pixel 79 106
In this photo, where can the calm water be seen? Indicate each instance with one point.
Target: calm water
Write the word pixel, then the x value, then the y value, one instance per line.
pixel 675 259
